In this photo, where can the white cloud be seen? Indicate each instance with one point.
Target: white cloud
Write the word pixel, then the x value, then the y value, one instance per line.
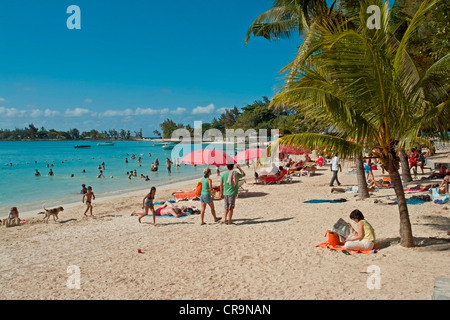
pixel 221 110
pixel 50 113
pixel 140 112
pixel 204 110
pixel 146 112
pixel 36 113
pixel 178 111
pixel 2 100
pixel 88 100
pixel 11 112
pixel 77 112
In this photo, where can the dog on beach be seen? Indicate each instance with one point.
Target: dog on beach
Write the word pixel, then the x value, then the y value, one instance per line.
pixel 52 212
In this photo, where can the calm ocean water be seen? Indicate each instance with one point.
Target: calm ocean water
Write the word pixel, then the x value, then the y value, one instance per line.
pixel 21 188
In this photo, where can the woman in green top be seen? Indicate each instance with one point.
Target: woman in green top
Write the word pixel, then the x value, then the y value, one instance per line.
pixel 205 197
pixel 362 239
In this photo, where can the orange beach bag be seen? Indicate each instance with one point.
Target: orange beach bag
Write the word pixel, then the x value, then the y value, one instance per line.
pixel 198 189
pixel 333 238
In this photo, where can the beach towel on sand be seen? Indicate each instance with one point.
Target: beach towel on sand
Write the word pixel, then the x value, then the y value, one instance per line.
pixel 326 245
pixel 169 216
pixel 325 201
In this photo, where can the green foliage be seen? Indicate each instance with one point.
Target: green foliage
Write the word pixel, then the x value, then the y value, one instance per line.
pixel 32 133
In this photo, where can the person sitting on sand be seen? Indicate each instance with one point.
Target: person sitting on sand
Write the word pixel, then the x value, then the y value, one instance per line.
pixel 364 237
pixel 13 215
pixel 443 187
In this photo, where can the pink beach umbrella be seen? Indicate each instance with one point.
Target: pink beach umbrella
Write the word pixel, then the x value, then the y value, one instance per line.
pixel 297 150
pixel 210 157
pixel 249 154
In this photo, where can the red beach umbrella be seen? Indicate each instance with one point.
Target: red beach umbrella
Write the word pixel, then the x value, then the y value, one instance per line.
pixel 210 157
pixel 249 154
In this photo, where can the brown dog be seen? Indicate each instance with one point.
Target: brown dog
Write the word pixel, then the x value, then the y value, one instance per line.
pixel 52 212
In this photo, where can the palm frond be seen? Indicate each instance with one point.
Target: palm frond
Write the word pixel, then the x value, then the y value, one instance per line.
pixel 343 146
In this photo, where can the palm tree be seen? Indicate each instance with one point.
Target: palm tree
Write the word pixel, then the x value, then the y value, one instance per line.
pixel 367 83
pixel 285 18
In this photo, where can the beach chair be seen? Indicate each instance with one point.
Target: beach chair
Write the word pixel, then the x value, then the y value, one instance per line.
pixel 188 194
pixel 271 179
pixel 240 185
pixel 185 195
pixel 309 169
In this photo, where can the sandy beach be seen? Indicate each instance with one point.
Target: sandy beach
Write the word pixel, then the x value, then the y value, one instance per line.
pixel 269 254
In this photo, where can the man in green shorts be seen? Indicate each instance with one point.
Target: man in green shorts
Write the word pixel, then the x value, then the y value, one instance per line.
pixel 229 189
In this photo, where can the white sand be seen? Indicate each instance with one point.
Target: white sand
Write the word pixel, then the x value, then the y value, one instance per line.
pixel 269 254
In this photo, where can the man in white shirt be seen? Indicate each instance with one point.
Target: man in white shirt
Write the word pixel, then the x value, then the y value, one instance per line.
pixel 335 167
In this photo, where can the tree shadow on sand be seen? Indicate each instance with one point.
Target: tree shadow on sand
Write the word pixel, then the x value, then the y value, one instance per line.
pixel 251 194
pixel 65 221
pixel 258 221
pixel 421 243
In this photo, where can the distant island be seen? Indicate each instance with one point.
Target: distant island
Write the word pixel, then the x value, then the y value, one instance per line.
pixel 33 133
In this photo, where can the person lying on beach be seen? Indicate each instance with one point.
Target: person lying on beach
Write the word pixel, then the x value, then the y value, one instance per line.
pixel 166 209
pixel 296 167
pixel 373 184
pixel 443 171
pixel 273 171
pixel 419 187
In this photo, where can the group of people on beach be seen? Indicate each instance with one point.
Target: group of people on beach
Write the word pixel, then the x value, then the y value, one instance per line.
pixel 228 192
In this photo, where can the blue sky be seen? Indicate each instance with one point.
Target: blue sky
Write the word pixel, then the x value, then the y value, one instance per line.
pixel 133 63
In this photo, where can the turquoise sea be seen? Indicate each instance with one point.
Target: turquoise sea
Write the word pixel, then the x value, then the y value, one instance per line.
pixel 75 166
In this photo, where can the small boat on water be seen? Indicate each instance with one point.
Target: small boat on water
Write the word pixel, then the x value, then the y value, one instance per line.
pixel 105 143
pixel 78 146
pixel 168 146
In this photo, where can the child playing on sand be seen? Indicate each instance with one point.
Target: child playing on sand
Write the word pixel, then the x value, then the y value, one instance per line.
pixel 13 217
pixel 89 196
pixel 147 204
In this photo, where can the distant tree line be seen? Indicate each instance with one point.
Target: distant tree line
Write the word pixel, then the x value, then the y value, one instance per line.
pixel 33 133
pixel 255 116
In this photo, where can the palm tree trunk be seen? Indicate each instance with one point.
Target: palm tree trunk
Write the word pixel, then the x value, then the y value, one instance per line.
pixel 406 172
pixel 406 237
pixel 363 191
